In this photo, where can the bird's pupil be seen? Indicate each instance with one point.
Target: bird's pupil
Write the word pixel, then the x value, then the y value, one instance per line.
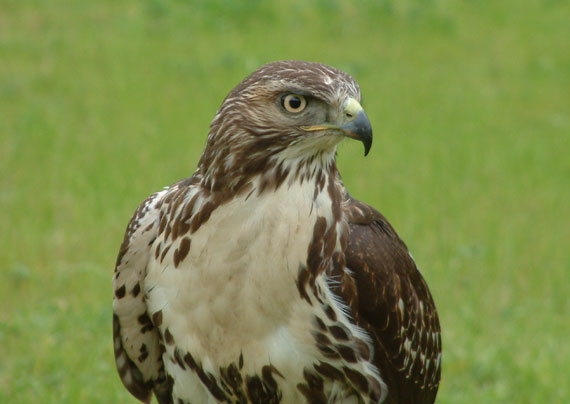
pixel 294 102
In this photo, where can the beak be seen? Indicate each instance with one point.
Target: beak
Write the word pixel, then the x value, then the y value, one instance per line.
pixel 357 125
pixel 359 128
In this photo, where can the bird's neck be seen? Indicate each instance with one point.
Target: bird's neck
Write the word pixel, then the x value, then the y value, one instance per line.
pixel 266 173
pixel 315 176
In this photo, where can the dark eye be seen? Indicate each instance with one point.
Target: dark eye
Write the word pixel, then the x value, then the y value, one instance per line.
pixel 294 103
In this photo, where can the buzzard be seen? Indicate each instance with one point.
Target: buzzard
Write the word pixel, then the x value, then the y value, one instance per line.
pixel 259 279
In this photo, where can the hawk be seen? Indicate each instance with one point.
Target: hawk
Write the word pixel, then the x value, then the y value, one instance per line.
pixel 259 279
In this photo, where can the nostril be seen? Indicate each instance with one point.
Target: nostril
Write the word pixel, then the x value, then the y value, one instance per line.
pixel 349 115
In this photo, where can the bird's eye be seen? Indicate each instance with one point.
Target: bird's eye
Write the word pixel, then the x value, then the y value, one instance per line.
pixel 294 103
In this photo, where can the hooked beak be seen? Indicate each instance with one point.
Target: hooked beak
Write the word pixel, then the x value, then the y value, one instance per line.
pixel 360 129
pixel 357 125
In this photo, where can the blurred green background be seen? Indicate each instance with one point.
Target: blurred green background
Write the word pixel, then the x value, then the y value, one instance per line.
pixel 103 102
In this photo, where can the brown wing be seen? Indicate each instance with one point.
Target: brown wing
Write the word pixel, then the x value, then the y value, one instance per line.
pixel 137 346
pixel 391 300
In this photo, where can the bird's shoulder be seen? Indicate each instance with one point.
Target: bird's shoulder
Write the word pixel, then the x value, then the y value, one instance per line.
pixel 390 299
pixel 137 342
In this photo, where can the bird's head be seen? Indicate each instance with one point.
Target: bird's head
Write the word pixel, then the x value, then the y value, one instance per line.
pixel 283 114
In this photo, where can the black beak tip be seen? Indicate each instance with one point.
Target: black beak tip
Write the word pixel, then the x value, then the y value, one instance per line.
pixel 367 145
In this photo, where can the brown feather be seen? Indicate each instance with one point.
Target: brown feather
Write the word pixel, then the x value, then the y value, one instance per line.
pixel 383 272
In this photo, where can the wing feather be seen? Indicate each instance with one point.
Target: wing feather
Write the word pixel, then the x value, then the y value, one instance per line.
pixel 137 347
pixel 391 300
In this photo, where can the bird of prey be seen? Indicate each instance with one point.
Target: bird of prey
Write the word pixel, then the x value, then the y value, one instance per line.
pixel 259 279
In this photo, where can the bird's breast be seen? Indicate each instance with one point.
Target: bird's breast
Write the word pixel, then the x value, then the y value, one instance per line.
pixel 235 293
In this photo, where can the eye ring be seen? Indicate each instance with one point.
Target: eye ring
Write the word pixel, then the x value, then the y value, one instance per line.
pixel 294 103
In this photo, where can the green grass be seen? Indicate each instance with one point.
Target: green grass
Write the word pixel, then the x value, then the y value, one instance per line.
pixel 104 102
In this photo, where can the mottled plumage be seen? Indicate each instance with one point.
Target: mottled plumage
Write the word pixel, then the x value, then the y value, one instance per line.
pixel 260 279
